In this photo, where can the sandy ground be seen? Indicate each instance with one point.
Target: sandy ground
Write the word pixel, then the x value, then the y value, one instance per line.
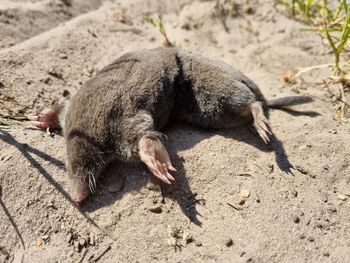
pixel 48 46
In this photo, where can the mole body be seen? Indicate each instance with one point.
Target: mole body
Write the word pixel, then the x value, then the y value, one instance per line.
pixel 117 113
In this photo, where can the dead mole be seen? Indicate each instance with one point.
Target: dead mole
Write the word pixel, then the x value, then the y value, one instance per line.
pixel 118 113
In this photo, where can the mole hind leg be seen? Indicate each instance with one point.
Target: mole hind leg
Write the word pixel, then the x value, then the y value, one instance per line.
pixel 146 144
pixel 153 153
pixel 260 121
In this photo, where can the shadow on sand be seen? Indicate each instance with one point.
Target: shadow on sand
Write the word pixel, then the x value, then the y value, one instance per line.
pixel 181 191
pixel 27 151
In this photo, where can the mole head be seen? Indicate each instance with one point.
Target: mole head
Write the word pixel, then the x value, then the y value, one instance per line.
pixel 84 164
pixel 82 180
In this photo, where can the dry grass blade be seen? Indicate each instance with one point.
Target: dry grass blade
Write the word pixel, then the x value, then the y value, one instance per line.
pixel 334 26
pixel 221 14
pixel 157 23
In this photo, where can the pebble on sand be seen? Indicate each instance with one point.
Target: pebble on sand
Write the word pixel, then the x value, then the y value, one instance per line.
pixel 198 243
pixel 244 193
pixel 296 219
pixel 155 209
pixel 342 197
pixel 228 242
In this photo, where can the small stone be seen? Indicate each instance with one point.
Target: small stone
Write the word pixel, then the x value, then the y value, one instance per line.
pixel 319 225
pixel 324 197
pixel 40 242
pixel 187 237
pixel 155 209
pixel 342 197
pixel 326 254
pixel 63 55
pixel 311 239
pixel 332 209
pixel 229 242
pixel 302 236
pixel 66 93
pixel 92 239
pixel 241 201
pixel 55 73
pixel 70 253
pixel 76 245
pixel 198 243
pixel 244 193
pixel 47 81
pixel 45 237
pixel 82 242
pixel 296 219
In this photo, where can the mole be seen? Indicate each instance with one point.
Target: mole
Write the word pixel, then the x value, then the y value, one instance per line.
pixel 118 114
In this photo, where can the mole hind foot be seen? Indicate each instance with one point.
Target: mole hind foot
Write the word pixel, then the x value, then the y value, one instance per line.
pixel 153 153
pixel 260 123
pixel 47 118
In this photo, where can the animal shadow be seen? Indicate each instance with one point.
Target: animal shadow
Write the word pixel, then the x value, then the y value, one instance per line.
pixel 27 151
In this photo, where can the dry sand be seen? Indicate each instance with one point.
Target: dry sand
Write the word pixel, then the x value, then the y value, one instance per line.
pixel 48 46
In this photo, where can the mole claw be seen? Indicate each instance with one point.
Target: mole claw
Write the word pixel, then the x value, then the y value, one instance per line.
pixel 33 118
pixel 172 168
pixel 38 124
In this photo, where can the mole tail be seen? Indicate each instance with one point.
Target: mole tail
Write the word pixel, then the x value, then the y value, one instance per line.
pixel 287 101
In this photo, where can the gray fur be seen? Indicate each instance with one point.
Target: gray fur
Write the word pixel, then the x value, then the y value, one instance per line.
pixel 141 92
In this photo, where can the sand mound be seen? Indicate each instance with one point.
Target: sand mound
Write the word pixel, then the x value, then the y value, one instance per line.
pixel 48 46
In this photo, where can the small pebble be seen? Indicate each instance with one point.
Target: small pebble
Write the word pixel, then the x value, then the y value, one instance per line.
pixel 92 239
pixel 324 197
pixel 187 237
pixel 70 253
pixel 311 239
pixel 241 201
pixel 326 254
pixel 332 209
pixel 82 242
pixel 40 242
pixel 342 197
pixel 155 209
pixel 229 242
pixel 198 243
pixel 76 245
pixel 319 225
pixel 245 193
pixel 63 55
pixel 45 237
pixel 302 236
pixel 296 219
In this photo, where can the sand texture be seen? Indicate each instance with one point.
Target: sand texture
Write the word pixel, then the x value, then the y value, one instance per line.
pixel 235 199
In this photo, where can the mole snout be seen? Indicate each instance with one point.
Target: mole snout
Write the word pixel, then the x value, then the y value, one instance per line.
pixel 118 114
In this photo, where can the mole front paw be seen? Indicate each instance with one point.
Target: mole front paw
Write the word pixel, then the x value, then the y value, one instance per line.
pixel 46 119
pixel 153 153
